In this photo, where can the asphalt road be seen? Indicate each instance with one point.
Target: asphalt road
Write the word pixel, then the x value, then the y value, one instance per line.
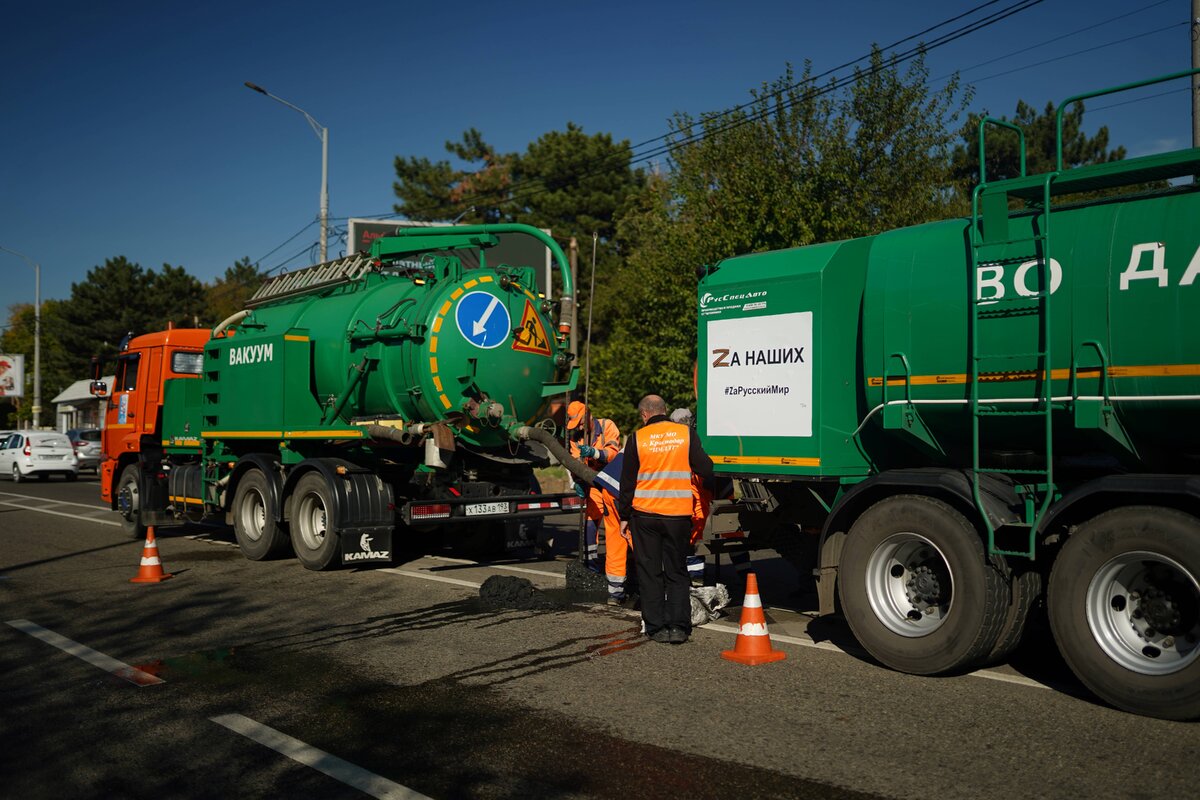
pixel 276 681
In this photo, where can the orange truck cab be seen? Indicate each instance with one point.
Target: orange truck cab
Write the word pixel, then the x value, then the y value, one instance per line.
pixel 135 408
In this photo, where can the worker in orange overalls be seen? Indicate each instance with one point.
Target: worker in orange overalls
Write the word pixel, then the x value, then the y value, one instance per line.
pixel 597 442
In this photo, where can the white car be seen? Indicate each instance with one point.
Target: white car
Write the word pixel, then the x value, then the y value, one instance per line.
pixel 40 453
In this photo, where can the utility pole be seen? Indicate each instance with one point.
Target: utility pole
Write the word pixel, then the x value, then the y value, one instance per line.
pixel 1196 78
pixel 322 134
pixel 573 258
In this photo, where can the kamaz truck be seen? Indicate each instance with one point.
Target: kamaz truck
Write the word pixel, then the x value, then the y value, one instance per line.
pixel 387 397
pixel 953 423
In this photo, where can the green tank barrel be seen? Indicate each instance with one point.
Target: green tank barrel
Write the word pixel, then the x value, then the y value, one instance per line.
pixel 405 334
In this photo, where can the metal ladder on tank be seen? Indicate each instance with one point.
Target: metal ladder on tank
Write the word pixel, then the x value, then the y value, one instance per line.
pixel 991 245
pixel 311 279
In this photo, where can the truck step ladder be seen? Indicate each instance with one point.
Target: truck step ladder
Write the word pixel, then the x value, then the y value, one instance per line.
pixel 311 279
pixel 993 245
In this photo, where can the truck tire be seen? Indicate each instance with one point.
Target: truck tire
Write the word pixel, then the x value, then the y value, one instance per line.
pixel 314 537
pixel 259 533
pixel 127 503
pixel 916 589
pixel 1026 588
pixel 1124 607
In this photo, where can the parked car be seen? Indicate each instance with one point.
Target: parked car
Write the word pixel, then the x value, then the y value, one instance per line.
pixel 86 442
pixel 40 453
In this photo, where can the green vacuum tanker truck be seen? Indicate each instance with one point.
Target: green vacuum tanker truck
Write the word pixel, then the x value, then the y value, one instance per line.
pixel 953 423
pixel 389 396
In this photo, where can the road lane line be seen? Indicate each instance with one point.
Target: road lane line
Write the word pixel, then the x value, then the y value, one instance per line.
pixel 427 577
pixel 1003 677
pixel 505 567
pixel 92 506
pixel 336 768
pixel 96 520
pixel 96 659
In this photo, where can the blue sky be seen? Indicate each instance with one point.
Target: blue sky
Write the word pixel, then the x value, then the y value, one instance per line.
pixel 126 130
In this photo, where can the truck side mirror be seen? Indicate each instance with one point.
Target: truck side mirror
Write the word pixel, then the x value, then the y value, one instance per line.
pixel 97 388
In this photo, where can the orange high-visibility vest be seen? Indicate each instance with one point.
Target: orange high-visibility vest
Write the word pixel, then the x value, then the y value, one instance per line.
pixel 664 480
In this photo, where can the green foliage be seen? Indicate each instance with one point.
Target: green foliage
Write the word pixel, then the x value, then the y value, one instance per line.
pixel 1003 156
pixel 801 163
pixel 228 294
pixel 57 364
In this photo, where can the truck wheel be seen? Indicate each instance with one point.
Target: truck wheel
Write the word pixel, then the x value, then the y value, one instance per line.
pixel 127 503
pixel 313 536
pixel 255 521
pixel 1026 589
pixel 916 589
pixel 1124 606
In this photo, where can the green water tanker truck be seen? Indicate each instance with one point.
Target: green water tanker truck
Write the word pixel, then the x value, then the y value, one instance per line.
pixel 400 393
pixel 953 423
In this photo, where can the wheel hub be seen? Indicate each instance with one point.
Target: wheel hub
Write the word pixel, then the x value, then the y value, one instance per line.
pixel 909 584
pixel 1144 612
pixel 924 586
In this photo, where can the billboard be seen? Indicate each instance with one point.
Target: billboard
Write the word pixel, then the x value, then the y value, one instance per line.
pixel 12 376
pixel 514 249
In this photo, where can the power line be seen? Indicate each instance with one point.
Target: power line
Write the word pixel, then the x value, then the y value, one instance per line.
pixel 635 158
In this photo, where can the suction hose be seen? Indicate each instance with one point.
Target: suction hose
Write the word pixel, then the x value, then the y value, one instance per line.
pixel 580 470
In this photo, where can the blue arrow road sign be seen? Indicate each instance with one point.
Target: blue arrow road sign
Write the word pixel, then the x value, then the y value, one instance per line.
pixel 483 319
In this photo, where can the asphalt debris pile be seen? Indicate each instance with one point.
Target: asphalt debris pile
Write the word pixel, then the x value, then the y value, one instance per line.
pixel 582 579
pixel 508 591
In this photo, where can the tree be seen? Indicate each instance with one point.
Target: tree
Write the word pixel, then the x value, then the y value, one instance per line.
pixel 569 182
pixel 119 298
pixel 228 294
pixel 57 366
pixel 1003 157
pixel 800 163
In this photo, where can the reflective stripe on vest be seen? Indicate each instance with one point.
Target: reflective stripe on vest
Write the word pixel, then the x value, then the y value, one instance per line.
pixel 664 481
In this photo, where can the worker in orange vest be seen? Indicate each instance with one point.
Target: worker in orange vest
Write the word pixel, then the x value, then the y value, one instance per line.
pixel 656 505
pixel 597 441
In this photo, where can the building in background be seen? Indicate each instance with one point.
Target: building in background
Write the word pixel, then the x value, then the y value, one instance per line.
pixel 75 407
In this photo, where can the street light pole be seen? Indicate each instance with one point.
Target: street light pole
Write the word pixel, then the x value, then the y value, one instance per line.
pixel 322 134
pixel 37 335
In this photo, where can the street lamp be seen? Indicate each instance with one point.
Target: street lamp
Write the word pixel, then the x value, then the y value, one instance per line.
pixel 322 134
pixel 37 335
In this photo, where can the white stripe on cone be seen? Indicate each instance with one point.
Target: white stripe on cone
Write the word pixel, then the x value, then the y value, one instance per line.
pixel 753 629
pixel 151 561
pixel 752 601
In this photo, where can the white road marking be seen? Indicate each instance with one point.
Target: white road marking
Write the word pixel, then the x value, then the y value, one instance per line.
pixel 336 768
pixel 92 506
pixel 96 659
pixel 63 513
pixel 505 567
pixel 103 510
pixel 1003 677
pixel 428 577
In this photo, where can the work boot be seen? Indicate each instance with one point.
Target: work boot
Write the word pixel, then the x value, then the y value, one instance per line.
pixel 677 635
pixel 662 635
pixel 616 599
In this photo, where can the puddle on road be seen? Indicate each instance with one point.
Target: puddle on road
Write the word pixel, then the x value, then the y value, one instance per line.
pixel 205 665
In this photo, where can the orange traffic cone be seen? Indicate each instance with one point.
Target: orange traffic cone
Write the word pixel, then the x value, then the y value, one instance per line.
pixel 753 645
pixel 151 570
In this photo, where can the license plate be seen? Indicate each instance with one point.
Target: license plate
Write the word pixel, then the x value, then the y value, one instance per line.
pixel 50 458
pixel 483 509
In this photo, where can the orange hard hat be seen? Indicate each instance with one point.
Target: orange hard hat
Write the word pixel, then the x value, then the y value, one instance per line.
pixel 575 414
